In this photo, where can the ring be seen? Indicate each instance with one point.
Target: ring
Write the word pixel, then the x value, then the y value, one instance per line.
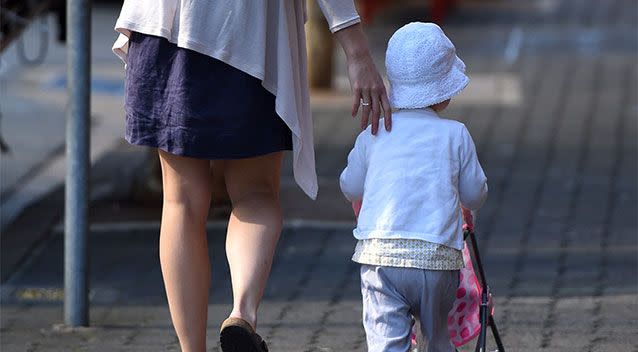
pixel 364 103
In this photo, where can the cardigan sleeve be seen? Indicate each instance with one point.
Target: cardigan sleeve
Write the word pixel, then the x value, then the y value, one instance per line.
pixel 339 13
pixel 353 177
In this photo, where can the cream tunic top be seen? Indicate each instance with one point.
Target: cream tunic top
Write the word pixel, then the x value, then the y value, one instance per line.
pixel 264 38
pixel 407 253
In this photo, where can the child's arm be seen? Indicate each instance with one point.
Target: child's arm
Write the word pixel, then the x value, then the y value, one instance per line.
pixel 354 175
pixel 472 180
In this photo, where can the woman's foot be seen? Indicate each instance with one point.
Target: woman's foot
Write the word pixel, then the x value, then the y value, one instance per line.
pixel 237 335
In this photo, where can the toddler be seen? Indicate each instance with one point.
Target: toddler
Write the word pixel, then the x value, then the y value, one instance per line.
pixel 413 182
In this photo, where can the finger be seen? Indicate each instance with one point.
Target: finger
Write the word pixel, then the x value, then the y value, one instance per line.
pixel 356 101
pixel 387 111
pixel 366 108
pixel 375 113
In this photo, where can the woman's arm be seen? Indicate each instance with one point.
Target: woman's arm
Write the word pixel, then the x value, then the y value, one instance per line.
pixel 367 86
pixel 365 81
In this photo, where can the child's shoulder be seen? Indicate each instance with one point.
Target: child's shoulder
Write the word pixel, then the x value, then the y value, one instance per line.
pixel 452 124
pixel 449 125
pixel 459 132
pixel 452 130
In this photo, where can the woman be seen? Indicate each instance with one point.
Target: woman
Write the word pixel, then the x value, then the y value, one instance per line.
pixel 226 81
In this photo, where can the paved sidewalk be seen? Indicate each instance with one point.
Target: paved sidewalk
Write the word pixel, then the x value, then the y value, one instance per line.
pixel 553 108
pixel 313 302
pixel 33 103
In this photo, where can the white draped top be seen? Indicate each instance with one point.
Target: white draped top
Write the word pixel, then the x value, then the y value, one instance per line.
pixel 264 38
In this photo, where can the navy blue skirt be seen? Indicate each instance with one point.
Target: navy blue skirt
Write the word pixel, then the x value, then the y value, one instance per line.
pixel 193 105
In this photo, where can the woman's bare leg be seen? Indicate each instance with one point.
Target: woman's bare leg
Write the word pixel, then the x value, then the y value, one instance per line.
pixel 184 248
pixel 253 230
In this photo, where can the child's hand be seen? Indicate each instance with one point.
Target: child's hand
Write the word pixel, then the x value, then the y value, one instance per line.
pixel 356 207
pixel 467 217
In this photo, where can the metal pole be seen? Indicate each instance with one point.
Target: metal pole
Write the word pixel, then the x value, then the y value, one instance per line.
pixel 497 336
pixel 76 311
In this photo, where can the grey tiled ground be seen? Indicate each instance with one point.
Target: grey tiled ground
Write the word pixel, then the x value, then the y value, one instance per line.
pixel 312 301
pixel 558 233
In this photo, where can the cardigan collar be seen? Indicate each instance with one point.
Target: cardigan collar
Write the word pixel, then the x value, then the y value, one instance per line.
pixel 421 112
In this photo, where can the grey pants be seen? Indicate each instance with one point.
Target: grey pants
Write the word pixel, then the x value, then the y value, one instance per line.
pixel 392 296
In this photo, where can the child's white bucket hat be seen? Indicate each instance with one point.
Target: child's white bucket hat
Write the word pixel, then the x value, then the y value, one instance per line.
pixel 422 67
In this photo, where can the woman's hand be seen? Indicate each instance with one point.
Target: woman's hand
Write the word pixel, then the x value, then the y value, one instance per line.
pixel 368 90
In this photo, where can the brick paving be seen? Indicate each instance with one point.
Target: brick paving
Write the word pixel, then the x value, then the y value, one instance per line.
pixel 558 233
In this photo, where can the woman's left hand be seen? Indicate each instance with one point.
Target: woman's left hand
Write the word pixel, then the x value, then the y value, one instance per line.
pixel 369 93
pixel 368 90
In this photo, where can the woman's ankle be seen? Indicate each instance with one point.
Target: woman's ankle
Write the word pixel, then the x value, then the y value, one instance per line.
pixel 250 318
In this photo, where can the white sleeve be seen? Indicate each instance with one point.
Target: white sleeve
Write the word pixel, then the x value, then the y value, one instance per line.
pixel 353 176
pixel 472 180
pixel 339 13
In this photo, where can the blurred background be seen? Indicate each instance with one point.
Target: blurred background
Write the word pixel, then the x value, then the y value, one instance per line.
pixel 552 106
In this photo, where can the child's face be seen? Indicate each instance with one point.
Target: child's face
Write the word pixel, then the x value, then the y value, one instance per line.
pixel 440 106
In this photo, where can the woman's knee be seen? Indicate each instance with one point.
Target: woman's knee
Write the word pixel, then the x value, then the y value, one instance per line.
pixel 254 179
pixel 186 184
pixel 192 203
pixel 255 196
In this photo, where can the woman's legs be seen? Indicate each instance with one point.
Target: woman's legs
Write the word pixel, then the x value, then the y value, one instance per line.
pixel 253 232
pixel 183 246
pixel 254 228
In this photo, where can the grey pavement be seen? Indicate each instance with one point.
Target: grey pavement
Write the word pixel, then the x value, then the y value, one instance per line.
pixel 553 108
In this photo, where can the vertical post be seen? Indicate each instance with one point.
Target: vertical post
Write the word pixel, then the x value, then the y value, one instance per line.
pixel 78 163
pixel 320 48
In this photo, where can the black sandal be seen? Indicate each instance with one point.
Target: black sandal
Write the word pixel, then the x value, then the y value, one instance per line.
pixel 237 335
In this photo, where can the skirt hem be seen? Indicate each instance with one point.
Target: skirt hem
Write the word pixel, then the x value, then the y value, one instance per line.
pixel 184 152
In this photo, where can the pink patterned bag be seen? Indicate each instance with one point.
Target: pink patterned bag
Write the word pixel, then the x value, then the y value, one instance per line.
pixel 463 320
